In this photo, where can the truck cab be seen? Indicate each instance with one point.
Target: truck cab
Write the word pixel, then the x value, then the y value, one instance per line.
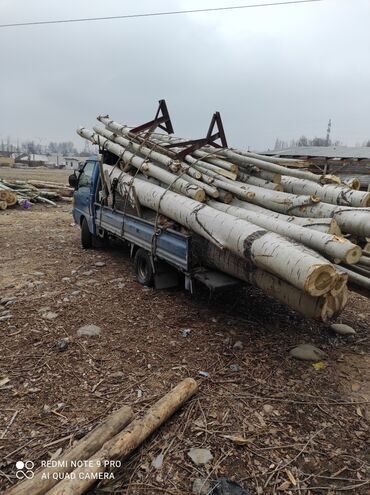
pixel 163 253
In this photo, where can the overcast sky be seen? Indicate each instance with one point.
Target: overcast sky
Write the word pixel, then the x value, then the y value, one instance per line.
pixel 272 72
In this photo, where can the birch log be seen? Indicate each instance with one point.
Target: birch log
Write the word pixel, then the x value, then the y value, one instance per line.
pixel 292 262
pixel 328 193
pixel 235 156
pixel 43 480
pixel 210 166
pixel 331 245
pixel 257 181
pixel 123 444
pixel 326 225
pixel 356 278
pixel 177 184
pixel 351 220
pixel 310 307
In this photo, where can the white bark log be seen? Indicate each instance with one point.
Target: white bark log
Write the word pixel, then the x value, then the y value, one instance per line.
pixel 262 174
pixel 333 246
pixel 211 191
pixel 308 306
pixel 210 166
pixel 351 220
pixel 177 184
pixel 257 181
pixel 326 225
pixel 329 193
pixel 216 160
pixel 357 279
pixel 236 157
pixel 287 162
pixel 292 262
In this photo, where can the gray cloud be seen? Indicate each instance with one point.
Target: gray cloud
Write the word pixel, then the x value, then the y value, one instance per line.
pixel 272 72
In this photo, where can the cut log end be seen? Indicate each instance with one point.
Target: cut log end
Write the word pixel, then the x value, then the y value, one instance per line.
pixel 321 280
pixel 353 255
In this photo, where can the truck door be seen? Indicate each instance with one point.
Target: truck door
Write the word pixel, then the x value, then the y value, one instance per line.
pixel 83 200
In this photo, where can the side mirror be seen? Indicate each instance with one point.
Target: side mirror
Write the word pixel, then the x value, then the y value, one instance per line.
pixel 73 181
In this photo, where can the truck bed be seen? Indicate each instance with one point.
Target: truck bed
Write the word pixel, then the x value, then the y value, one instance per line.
pixel 168 245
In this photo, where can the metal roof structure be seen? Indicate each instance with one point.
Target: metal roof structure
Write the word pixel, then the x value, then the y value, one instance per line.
pixel 328 152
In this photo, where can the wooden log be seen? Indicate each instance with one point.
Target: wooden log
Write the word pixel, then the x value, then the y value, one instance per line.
pixel 237 157
pixel 209 166
pixel 356 278
pixel 210 190
pixel 10 197
pixel 257 181
pixel 293 262
pixel 123 444
pixel 326 225
pixel 365 261
pixel 333 246
pixel 3 205
pixel 43 480
pixel 353 183
pixel 216 160
pixel 177 184
pixel 351 220
pixel 262 174
pixel 338 194
pixel 225 196
pixel 308 306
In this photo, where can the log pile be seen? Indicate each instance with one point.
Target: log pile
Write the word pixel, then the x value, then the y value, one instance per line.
pixel 87 461
pixel 296 235
pixel 24 193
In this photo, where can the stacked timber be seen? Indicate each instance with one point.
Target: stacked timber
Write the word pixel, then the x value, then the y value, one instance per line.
pixel 297 236
pixel 24 193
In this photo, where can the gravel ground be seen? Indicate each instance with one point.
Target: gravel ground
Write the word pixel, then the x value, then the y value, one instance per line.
pixel 273 424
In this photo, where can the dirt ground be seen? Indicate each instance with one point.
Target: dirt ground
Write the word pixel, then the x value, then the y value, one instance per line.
pixel 37 173
pixel 272 424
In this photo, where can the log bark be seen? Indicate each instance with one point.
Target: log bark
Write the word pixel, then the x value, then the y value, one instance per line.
pixel 326 225
pixel 356 278
pixel 210 166
pixel 85 448
pixel 351 220
pixel 365 261
pixel 236 156
pixel 177 184
pixel 308 306
pixel 123 444
pixel 292 262
pixel 333 246
pixel 329 193
pixel 262 174
pixel 257 181
pixel 216 160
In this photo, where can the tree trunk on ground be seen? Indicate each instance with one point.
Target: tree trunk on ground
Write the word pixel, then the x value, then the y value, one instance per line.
pixel 123 444
pixel 356 278
pixel 82 450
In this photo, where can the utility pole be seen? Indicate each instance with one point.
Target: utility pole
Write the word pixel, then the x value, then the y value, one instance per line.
pixel 328 133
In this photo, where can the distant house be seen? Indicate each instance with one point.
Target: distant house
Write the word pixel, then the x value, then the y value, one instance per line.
pixel 73 162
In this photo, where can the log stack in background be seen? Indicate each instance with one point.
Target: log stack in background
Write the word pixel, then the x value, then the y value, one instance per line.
pixel 296 235
pixel 24 193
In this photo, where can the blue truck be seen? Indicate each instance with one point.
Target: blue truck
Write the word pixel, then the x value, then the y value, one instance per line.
pixel 164 254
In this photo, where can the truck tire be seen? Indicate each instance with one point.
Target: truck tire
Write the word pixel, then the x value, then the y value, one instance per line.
pixel 144 268
pixel 86 236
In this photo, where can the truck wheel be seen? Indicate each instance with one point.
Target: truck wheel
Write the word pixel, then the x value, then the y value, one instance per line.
pixel 144 268
pixel 86 236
